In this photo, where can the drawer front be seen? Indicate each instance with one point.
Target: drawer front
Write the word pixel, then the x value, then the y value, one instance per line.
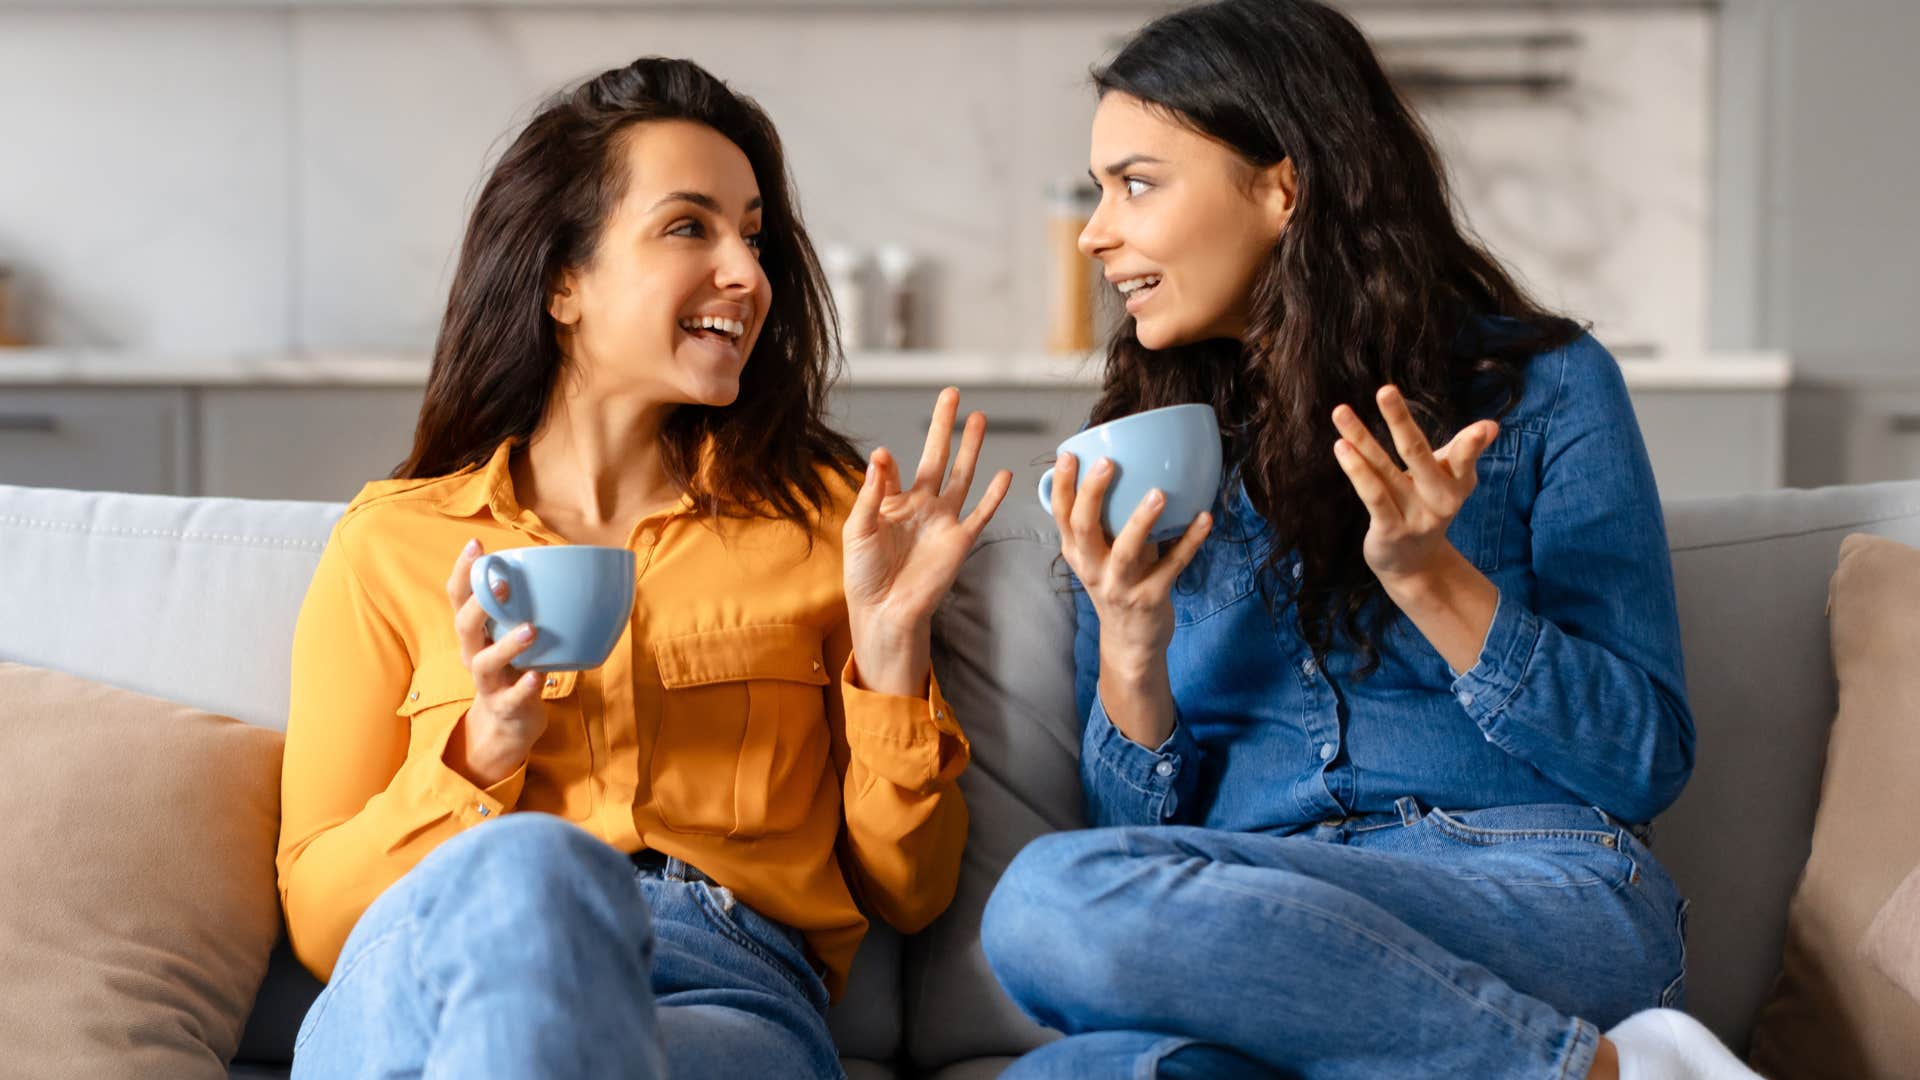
pixel 1706 443
pixel 303 442
pixel 95 439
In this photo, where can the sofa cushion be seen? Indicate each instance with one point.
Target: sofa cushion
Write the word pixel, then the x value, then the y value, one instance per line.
pixel 138 905
pixel 1830 1013
pixel 1751 573
pixel 1003 647
pixel 211 585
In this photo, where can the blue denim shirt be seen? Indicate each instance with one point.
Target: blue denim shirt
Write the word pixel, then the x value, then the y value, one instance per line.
pixel 1577 696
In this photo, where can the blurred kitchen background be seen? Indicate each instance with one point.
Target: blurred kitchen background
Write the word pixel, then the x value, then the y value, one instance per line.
pixel 227 228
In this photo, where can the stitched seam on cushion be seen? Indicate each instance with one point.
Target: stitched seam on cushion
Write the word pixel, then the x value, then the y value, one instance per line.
pixel 161 534
pixel 1904 515
pixel 1002 536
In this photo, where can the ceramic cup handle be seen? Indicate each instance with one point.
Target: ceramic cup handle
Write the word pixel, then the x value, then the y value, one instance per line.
pixel 481 579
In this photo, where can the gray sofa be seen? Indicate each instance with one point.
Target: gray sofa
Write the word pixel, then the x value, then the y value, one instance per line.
pixel 194 600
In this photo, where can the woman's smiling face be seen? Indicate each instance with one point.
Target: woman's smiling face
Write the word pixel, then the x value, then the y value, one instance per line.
pixel 675 297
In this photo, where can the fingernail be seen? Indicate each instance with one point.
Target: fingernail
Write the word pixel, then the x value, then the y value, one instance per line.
pixel 473 547
pixel 525 633
pixel 500 589
pixel 1154 497
pixel 1102 465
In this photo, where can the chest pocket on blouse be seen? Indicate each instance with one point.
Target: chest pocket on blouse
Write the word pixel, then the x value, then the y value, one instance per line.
pixel 742 746
pixel 1485 527
pixel 440 693
pixel 1221 574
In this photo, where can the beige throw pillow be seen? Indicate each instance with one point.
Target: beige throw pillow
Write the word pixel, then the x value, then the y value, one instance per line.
pixel 137 896
pixel 1832 1014
pixel 1893 941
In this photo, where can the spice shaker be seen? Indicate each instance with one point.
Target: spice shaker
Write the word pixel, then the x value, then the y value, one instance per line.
pixel 846 270
pixel 897 265
pixel 1070 205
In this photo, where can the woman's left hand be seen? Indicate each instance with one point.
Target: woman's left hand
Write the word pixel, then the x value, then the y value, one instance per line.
pixel 1412 508
pixel 902 548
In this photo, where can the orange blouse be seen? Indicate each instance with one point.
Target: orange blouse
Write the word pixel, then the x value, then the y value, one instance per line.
pixel 726 729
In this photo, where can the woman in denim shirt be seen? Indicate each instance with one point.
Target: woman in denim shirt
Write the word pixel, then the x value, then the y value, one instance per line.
pixel 1371 747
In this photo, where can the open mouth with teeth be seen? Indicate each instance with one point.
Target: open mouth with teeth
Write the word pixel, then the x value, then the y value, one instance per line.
pixel 714 328
pixel 1136 290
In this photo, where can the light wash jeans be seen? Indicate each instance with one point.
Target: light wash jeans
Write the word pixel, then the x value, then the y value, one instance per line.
pixel 1488 944
pixel 526 947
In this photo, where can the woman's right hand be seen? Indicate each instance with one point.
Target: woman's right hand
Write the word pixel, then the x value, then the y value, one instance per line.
pixel 1130 583
pixel 507 716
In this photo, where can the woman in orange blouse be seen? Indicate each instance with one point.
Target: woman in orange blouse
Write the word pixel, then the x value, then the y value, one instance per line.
pixel 658 865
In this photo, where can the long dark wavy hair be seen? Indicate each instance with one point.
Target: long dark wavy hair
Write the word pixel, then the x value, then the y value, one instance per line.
pixel 1372 281
pixel 541 211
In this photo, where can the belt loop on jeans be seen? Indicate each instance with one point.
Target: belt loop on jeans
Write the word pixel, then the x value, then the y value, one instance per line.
pixel 1642 832
pixel 1409 807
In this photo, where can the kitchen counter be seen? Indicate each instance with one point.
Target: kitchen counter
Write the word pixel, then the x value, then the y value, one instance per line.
pixel 929 368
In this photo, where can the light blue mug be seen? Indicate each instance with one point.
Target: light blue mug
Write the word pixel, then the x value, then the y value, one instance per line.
pixel 577 596
pixel 1175 449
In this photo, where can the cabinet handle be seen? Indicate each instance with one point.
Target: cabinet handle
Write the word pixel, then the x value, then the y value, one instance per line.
pixel 44 423
pixel 1905 424
pixel 1018 425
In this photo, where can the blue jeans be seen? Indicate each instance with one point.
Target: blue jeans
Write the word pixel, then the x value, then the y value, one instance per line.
pixel 527 947
pixel 1489 943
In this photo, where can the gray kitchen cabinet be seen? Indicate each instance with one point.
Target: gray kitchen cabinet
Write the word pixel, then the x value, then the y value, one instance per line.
pixel 96 438
pixel 325 441
pixel 317 442
pixel 1854 432
pixel 1024 425
pixel 1722 441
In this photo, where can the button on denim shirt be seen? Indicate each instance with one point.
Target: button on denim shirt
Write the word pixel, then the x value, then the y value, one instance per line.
pixel 1577 696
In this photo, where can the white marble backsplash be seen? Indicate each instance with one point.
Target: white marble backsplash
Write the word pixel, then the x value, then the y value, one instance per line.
pixel 199 179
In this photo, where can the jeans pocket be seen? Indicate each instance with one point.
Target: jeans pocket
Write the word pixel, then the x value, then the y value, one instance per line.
pixel 1548 845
